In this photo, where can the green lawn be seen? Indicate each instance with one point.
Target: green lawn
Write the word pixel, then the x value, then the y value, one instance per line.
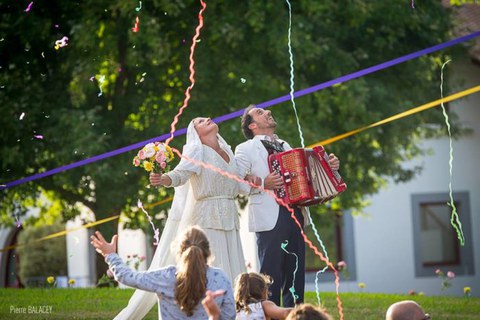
pixel 105 303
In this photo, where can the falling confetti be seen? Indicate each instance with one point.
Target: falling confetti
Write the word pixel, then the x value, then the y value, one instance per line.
pixel 192 72
pixel 155 230
pixel 29 7
pixel 137 22
pixel 38 136
pixel 43 55
pixel 413 4
pixel 100 84
pixel 140 7
pixel 61 43
pixel 21 116
pixel 18 222
pixel 454 220
pixel 292 288
pixel 243 80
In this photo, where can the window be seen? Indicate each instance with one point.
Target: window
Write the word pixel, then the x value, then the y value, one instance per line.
pixel 438 237
pixel 435 240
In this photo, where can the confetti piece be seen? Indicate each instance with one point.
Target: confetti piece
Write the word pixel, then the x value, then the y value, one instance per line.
pixel 292 72
pixel 292 288
pixel 192 73
pixel 140 7
pixel 137 22
pixel 22 115
pixel 29 7
pixel 454 219
pixel 43 55
pixel 243 80
pixel 61 43
pixel 156 235
pixel 413 4
pixel 100 84
pixel 18 222
pixel 92 78
pixel 38 136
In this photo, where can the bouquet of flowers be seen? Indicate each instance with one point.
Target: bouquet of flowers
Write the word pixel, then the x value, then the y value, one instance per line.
pixel 154 157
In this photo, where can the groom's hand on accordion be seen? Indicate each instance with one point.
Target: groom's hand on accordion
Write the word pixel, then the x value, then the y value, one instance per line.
pixel 333 162
pixel 273 181
pixel 158 179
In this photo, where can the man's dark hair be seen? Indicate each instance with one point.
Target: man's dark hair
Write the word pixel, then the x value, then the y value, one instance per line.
pixel 246 120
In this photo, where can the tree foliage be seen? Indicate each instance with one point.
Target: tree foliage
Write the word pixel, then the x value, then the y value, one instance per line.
pixel 42 259
pixel 241 58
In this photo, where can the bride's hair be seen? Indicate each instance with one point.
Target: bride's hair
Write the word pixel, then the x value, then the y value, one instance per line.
pixel 191 277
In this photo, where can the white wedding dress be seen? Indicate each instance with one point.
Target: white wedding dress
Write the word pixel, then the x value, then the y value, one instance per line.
pixel 204 198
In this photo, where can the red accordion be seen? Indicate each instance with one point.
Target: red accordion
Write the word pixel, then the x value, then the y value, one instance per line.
pixel 307 176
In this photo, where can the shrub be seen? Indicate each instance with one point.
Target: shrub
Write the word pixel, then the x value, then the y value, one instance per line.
pixel 41 259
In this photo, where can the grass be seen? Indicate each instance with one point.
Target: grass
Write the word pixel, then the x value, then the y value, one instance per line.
pixel 105 303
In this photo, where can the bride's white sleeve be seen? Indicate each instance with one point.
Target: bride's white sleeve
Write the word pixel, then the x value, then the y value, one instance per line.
pixel 179 177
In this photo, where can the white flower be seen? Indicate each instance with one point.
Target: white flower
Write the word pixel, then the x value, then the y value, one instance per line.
pixel 149 150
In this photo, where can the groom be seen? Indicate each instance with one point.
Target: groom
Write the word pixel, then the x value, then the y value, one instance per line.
pixel 272 223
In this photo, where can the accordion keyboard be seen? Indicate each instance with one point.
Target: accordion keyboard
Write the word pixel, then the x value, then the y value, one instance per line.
pixel 281 193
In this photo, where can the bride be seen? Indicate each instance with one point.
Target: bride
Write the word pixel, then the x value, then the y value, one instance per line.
pixel 204 198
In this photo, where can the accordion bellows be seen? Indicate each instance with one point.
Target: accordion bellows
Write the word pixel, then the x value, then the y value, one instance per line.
pixel 307 176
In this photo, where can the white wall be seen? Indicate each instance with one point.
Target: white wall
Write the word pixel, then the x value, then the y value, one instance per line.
pixel 384 237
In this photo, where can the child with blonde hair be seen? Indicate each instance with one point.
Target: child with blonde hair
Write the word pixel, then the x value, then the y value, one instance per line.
pixel 307 311
pixel 251 298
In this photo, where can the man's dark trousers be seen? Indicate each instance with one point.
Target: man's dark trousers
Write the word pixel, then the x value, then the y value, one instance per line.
pixel 280 265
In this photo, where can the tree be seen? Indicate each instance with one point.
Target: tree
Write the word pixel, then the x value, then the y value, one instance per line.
pixel 241 58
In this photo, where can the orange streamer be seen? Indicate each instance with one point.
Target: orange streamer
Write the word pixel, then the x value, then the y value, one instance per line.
pixel 192 73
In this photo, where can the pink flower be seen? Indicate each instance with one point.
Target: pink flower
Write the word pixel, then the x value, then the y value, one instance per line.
pixel 342 264
pixel 160 158
pixel 163 165
pixel 438 271
pixel 141 154
pixel 450 275
pixel 136 162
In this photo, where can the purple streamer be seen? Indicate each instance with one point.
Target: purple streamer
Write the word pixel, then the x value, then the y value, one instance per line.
pixel 238 113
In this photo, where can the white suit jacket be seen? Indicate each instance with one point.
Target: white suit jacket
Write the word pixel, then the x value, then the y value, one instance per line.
pixel 252 157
